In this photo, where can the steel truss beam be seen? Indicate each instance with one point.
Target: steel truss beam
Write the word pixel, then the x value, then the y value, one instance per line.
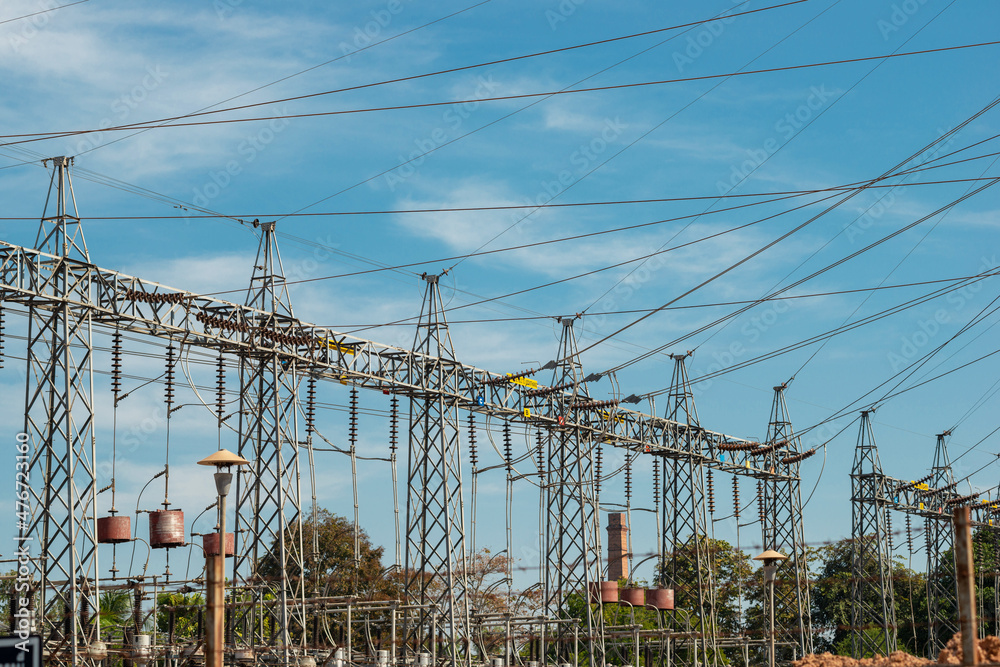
pixel 435 518
pixel 687 563
pixel 276 349
pixel 782 531
pixel 873 606
pixel 131 304
pixel 54 520
pixel 933 499
pixel 942 586
pixel 268 516
pixel 572 529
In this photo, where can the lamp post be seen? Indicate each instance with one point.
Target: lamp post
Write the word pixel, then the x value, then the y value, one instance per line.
pixel 771 559
pixel 223 461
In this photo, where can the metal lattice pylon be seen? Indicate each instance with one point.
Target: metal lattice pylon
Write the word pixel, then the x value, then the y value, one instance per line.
pixel 782 531
pixel 686 563
pixel 571 532
pixel 435 519
pixel 55 522
pixel 942 587
pixel 873 606
pixel 268 517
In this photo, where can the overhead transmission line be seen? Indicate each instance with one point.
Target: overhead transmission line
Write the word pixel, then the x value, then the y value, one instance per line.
pixel 846 327
pixel 461 68
pixel 639 138
pixel 161 123
pixel 308 69
pixel 843 328
pixel 210 111
pixel 862 188
pixel 779 195
pixel 493 122
pixel 809 124
pixel 43 11
pixel 719 304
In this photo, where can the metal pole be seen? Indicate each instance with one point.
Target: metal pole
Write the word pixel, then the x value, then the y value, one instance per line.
pixel 965 574
pixel 213 628
pixel 770 595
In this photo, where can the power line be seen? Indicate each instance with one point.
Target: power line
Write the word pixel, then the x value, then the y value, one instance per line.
pixel 462 68
pixel 725 271
pixel 160 123
pixel 44 11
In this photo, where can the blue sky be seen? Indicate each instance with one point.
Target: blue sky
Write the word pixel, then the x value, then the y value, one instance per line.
pixel 102 63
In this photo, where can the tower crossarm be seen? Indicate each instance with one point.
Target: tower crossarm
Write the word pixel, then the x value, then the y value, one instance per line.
pixel 915 497
pixel 31 277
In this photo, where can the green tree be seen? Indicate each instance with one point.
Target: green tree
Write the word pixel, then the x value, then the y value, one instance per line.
pixel 180 609
pixel 116 610
pixel 332 569
pixel 731 572
pixel 830 594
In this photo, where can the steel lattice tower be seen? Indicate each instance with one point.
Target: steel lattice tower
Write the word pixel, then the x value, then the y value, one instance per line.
pixel 59 423
pixel 435 520
pixel 686 563
pixel 873 606
pixel 782 530
pixel 572 531
pixel 942 591
pixel 268 519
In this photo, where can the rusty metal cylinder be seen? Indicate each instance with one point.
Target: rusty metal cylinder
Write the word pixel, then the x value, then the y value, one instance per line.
pixel 603 592
pixel 166 529
pixel 660 598
pixel 634 596
pixel 609 592
pixel 114 529
pixel 210 542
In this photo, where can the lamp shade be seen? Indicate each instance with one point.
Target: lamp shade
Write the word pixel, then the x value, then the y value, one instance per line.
pixel 223 457
pixel 770 555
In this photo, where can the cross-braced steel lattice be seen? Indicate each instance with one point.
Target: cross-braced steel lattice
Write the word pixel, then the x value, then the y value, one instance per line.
pixel 435 518
pixel 686 563
pixel 942 587
pixel 782 531
pixel 572 532
pixel 269 553
pixel 873 607
pixel 54 520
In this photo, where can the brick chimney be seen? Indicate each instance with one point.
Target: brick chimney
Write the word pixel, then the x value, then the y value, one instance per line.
pixel 617 547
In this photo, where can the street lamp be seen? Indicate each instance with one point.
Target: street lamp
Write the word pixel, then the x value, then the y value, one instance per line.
pixel 216 566
pixel 771 559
